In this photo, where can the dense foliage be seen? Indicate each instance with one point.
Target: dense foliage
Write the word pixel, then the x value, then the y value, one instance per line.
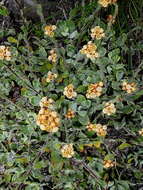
pixel 71 109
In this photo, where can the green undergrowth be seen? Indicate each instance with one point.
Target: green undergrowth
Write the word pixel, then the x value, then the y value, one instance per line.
pixel 30 158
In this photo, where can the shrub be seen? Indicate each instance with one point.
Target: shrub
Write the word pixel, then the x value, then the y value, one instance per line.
pixel 71 110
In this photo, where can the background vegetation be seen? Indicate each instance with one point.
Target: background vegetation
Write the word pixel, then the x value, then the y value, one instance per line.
pixel 31 158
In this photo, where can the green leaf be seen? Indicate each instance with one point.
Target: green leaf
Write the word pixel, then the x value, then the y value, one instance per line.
pixel 86 104
pixel 70 50
pixel 35 100
pixel 74 34
pixel 128 109
pixel 123 146
pixel 56 160
pixel 4 11
pixel 12 40
pixel 109 157
pixel 81 89
pixel 41 52
pixel 60 101
pixel 136 96
pixel 80 99
pixel 102 51
pixel 114 55
pixel 124 184
pixel 40 164
pixel 119 75
pixel 84 120
pixel 82 113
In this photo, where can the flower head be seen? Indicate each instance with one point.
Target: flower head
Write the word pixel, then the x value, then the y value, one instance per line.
pixel 5 53
pixel 128 87
pixel 97 33
pixel 67 151
pixel 90 50
pixel 109 108
pixel 51 76
pixel 104 3
pixel 49 30
pixel 53 56
pixel 141 132
pixel 94 90
pixel 108 164
pixel 91 127
pixel 48 120
pixel 70 114
pixel 101 130
pixel 69 91
pixel 46 103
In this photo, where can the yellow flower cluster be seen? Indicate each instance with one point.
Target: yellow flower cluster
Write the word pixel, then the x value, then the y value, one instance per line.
pixel 91 127
pixel 129 87
pixel 70 114
pixel 90 50
pixel 47 119
pixel 109 108
pixel 51 76
pixel 49 30
pixel 97 33
pixel 141 132
pixel 53 56
pixel 69 91
pixel 101 130
pixel 94 90
pixel 5 53
pixel 46 103
pixel 108 164
pixel 106 3
pixel 67 151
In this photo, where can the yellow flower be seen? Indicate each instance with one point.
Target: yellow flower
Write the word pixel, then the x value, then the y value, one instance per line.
pixel 109 108
pixel 141 132
pixel 49 30
pixel 108 164
pixel 51 76
pixel 90 50
pixel 97 33
pixel 67 151
pixel 91 127
pixel 46 103
pixel 53 56
pixel 94 90
pixel 69 91
pixel 104 3
pixel 70 114
pixel 101 130
pixel 5 53
pixel 128 87
pixel 48 120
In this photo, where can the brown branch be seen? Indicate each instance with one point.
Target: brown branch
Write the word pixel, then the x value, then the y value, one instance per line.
pixel 76 162
pixel 13 72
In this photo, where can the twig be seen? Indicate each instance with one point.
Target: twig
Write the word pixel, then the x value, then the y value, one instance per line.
pixel 76 162
pixel 11 70
pixel 138 69
pixel 17 106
